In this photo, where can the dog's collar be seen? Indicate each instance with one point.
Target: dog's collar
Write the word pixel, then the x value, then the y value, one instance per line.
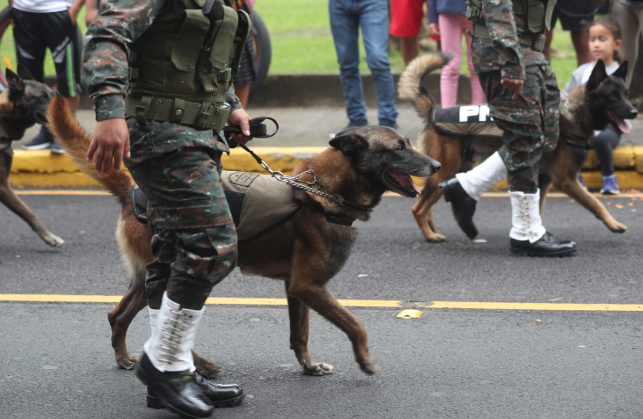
pixel 331 217
pixel 5 143
pixel 575 140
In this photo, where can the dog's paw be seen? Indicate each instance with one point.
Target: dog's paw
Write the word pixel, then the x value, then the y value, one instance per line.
pixel 436 238
pixel 617 227
pixel 319 368
pixel 207 368
pixel 369 366
pixel 127 362
pixel 53 240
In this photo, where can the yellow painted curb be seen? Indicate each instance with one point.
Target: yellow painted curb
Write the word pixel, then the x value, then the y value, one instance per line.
pixel 44 169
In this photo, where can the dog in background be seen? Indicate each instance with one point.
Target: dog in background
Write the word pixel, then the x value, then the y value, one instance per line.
pixel 23 104
pixel 473 137
pixel 305 251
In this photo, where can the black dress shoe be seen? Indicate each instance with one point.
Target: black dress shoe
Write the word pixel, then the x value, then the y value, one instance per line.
pixel 462 204
pixel 221 395
pixel 178 391
pixel 547 245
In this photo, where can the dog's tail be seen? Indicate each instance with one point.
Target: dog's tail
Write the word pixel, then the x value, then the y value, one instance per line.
pixel 73 138
pixel 410 84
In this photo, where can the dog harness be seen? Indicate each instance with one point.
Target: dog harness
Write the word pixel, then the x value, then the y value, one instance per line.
pixel 258 203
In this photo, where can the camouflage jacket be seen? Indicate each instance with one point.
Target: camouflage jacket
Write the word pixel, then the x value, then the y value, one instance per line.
pixel 503 51
pixel 119 23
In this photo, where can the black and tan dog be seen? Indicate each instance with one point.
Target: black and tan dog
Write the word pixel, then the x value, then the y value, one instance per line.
pixel 23 104
pixel 473 137
pixel 306 250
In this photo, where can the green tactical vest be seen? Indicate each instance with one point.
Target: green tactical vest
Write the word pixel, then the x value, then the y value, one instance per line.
pixel 180 69
pixel 532 17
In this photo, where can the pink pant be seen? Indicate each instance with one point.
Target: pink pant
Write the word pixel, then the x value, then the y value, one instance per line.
pixel 452 27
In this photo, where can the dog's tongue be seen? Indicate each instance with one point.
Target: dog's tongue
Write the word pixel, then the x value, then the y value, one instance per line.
pixel 405 180
pixel 622 124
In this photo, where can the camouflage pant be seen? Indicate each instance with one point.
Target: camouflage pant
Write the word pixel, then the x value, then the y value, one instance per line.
pixel 529 123
pixel 195 241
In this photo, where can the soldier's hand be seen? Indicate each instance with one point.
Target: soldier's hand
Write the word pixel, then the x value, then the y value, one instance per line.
pixel 240 118
pixel 514 86
pixel 109 144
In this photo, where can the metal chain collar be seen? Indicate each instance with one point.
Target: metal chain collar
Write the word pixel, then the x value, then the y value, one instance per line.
pixel 314 187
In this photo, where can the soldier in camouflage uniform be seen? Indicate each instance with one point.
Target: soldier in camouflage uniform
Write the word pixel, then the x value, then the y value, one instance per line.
pixel 158 72
pixel 524 101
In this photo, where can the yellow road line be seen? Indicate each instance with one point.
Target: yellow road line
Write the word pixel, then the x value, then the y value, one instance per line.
pixel 465 305
pixel 63 192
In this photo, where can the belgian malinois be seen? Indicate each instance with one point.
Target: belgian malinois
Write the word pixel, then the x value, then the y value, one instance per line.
pixel 305 251
pixel 602 101
pixel 22 104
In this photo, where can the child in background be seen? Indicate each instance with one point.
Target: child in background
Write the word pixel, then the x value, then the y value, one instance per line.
pixel 448 21
pixel 604 41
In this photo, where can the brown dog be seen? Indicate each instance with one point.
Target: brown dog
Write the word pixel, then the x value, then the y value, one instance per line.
pixel 23 104
pixel 602 101
pixel 305 251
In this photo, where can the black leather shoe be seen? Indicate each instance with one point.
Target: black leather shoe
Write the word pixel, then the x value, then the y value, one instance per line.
pixel 221 395
pixel 462 204
pixel 547 245
pixel 178 391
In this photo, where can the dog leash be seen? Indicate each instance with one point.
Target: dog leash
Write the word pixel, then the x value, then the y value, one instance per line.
pixel 258 130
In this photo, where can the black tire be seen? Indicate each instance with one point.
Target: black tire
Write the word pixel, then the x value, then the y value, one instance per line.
pixel 263 50
pixel 5 22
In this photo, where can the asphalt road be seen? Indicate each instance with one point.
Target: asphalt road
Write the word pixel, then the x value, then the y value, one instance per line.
pixel 56 360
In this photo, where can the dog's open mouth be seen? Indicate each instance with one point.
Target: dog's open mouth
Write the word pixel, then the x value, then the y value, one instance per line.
pixel 622 125
pixel 402 183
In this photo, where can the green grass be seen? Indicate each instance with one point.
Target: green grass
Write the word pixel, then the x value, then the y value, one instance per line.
pixel 302 41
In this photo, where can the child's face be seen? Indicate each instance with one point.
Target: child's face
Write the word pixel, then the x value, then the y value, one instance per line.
pixel 602 43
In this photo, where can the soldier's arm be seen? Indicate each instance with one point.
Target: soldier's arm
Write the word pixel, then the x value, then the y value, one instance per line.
pixel 498 16
pixel 107 41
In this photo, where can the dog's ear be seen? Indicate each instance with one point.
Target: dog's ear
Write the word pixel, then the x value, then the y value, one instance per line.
pixel 622 70
pixel 350 143
pixel 24 73
pixel 598 75
pixel 16 84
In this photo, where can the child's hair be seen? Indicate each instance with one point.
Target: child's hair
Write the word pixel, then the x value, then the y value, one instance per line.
pixel 612 25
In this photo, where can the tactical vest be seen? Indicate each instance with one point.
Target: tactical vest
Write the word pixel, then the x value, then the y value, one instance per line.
pixel 532 17
pixel 180 69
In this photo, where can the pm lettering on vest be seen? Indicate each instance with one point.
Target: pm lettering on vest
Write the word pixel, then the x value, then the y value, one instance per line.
pixel 474 114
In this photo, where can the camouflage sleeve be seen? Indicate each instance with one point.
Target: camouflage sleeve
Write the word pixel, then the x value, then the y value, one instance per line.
pixel 119 23
pixel 232 99
pixel 498 16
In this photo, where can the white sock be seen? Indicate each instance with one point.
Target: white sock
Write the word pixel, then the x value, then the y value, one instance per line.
pixel 526 223
pixel 478 180
pixel 173 333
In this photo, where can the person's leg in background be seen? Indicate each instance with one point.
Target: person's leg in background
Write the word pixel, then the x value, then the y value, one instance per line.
pixel 604 144
pixel 477 94
pixel 66 44
pixel 344 24
pixel 30 52
pixel 451 36
pixel 406 20
pixel 373 19
pixel 631 21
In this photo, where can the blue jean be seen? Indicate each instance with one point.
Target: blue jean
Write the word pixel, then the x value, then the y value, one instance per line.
pixel 346 17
